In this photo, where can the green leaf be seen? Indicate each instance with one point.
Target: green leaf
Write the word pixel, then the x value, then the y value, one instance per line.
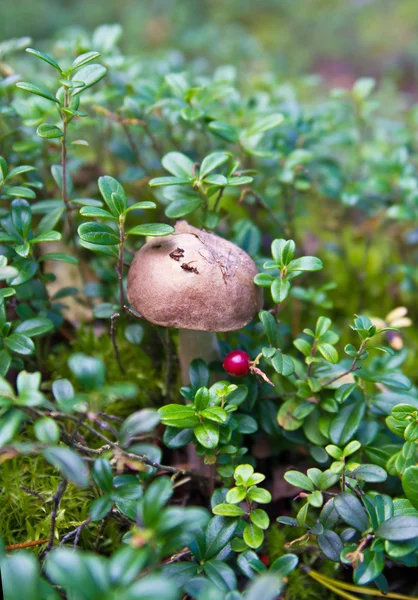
pixel 113 194
pixel 100 507
pixel 242 474
pixel 38 91
pixel 142 421
pixel 97 213
pixel 34 327
pixel 134 333
pixel 270 326
pixel 306 263
pixel 47 131
pixel 212 161
pixel 47 431
pixel 370 473
pixel 201 399
pixel 228 510
pixel 10 425
pixel 216 414
pixel 344 391
pixel 285 564
pixel 178 164
pixel 69 463
pixel 283 364
pixel 299 480
pixel 48 236
pixel 207 434
pixel 20 576
pixel 345 424
pixel 181 208
pixel 223 131
pixel 21 215
pixel 398 529
pixel 153 586
pixel 410 484
pixel 145 205
pixel 19 171
pixel 165 181
pixel 322 326
pixel 152 229
pixel 61 257
pixel 280 290
pixel 20 344
pixel 236 495
pixel 108 250
pixel 178 415
pixel 266 586
pixel 402 411
pixel 253 536
pixel 83 59
pixel 328 352
pixel 102 474
pixel 89 371
pixel 263 124
pixel 331 545
pixel 90 75
pixel 259 495
pixel 369 568
pixel 218 534
pixel 97 233
pixel 18 191
pixel 260 518
pixel 45 58
pixel 263 280
pixel 351 511
pixel 391 379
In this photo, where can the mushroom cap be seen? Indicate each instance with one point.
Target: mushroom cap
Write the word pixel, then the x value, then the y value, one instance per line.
pixel 193 279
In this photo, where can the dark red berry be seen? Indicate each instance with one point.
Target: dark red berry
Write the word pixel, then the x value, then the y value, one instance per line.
pixel 237 363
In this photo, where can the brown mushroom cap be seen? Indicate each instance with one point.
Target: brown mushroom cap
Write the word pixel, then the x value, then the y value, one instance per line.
pixel 194 280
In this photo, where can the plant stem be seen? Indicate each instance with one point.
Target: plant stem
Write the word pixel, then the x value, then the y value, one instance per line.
pixel 119 267
pixel 114 342
pixel 57 499
pixel 64 167
pixel 30 544
pixel 352 368
pixel 75 533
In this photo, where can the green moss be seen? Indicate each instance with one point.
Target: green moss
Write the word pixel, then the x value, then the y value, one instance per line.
pixel 138 365
pixel 26 517
pixel 300 586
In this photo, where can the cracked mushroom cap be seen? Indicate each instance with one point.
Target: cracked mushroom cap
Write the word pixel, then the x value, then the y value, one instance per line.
pixel 194 280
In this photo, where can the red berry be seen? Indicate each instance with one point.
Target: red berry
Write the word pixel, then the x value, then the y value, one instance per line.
pixel 237 363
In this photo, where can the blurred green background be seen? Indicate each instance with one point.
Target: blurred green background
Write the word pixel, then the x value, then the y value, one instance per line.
pixel 340 39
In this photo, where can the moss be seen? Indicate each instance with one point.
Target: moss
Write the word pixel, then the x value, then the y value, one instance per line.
pixel 300 586
pixel 138 365
pixel 25 517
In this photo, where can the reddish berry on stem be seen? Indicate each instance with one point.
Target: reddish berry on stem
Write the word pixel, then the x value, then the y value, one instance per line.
pixel 237 363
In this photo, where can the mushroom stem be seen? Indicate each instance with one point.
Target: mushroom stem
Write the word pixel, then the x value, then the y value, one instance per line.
pixel 196 344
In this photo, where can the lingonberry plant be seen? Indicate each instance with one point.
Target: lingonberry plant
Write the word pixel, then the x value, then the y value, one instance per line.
pixel 164 431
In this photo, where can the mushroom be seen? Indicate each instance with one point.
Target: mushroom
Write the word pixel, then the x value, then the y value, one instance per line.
pixel 197 282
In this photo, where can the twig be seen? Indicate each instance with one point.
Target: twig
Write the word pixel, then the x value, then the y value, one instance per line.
pixel 30 544
pixel 57 499
pixel 75 532
pixel 132 312
pixel 32 492
pixel 352 368
pixel 177 556
pixel 114 342
pixel 115 446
